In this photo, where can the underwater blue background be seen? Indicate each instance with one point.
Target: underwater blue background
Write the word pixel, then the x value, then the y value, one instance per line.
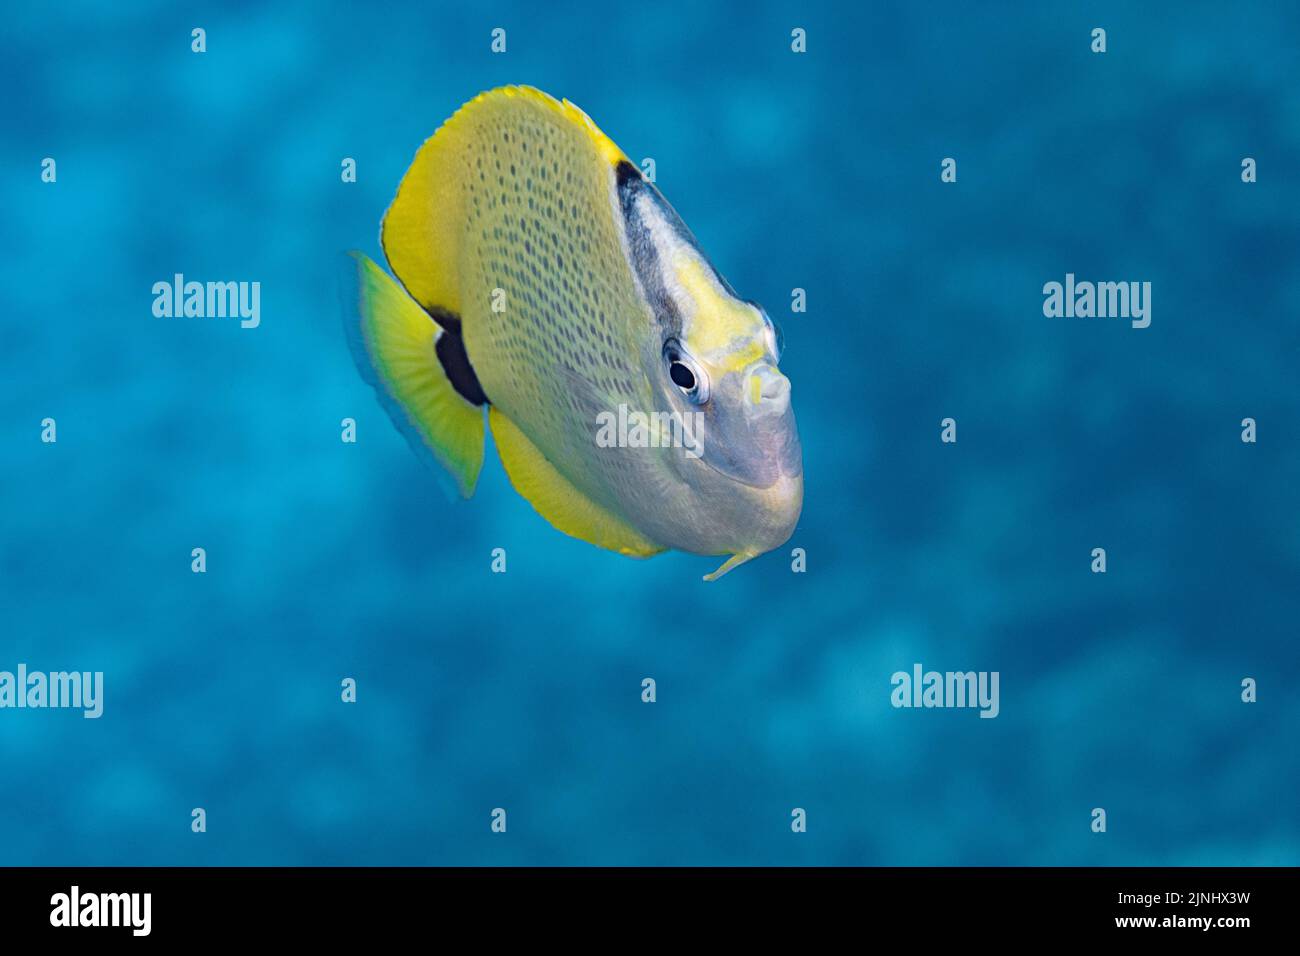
pixel 478 690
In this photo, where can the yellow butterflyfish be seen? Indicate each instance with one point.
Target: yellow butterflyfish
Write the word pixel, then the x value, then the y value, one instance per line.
pixel 634 399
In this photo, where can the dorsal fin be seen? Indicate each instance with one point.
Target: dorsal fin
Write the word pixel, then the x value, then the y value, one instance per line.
pixel 423 228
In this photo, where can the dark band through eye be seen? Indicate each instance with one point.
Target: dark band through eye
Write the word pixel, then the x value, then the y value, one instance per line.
pixel 681 375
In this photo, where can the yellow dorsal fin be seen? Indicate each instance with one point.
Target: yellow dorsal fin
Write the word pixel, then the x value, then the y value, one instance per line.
pixel 557 500
pixel 423 228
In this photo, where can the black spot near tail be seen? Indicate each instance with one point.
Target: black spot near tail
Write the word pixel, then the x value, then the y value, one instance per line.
pixel 453 358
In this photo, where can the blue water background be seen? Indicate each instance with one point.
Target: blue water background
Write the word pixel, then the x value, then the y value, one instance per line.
pixel 818 171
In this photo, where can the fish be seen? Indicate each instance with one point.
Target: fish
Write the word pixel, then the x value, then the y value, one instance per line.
pixel 542 283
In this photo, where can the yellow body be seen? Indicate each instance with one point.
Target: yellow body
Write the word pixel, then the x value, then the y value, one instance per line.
pixel 520 230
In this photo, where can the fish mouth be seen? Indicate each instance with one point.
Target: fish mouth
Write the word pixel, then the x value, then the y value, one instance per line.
pixel 761 451
pixel 766 445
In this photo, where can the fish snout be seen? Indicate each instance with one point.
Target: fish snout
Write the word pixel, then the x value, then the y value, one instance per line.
pixel 770 418
pixel 767 391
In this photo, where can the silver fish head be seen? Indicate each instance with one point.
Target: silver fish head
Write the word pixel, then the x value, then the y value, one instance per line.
pixel 712 362
pixel 743 454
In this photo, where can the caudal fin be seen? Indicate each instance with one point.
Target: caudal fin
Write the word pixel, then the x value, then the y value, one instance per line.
pixel 394 342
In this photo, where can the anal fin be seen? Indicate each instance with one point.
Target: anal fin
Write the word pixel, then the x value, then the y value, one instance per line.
pixel 556 499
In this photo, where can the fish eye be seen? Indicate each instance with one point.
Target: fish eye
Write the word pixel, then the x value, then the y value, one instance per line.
pixel 685 373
